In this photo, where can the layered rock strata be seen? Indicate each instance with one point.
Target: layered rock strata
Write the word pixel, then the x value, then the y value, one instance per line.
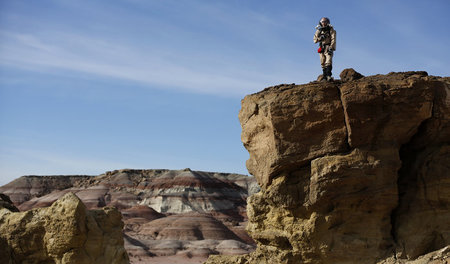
pixel 65 232
pixel 351 172
pixel 166 191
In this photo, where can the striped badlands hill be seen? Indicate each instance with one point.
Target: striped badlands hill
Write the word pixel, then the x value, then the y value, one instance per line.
pixel 167 213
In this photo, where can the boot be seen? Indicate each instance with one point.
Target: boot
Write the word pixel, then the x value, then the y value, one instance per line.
pixel 328 75
pixel 324 74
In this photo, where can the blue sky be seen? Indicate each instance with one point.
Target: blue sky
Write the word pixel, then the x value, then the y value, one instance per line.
pixel 91 86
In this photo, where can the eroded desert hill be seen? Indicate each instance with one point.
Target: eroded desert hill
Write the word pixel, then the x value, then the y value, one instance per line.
pixel 168 214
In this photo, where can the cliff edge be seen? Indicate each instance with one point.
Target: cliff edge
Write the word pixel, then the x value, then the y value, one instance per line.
pixel 351 171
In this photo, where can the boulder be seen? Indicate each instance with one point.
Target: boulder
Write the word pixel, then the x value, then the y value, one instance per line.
pixel 350 75
pixel 65 232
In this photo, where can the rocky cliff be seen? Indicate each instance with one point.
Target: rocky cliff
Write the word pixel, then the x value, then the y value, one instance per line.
pixel 65 232
pixel 352 171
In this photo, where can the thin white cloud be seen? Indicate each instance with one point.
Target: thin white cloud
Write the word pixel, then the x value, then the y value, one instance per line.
pixel 95 56
pixel 157 55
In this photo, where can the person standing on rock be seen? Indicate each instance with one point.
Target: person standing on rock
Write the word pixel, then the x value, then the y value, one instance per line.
pixel 326 36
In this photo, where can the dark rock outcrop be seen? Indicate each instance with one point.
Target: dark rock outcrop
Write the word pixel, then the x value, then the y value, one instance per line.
pixel 350 75
pixel 5 202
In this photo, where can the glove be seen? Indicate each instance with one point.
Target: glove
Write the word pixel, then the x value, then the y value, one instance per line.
pixel 330 51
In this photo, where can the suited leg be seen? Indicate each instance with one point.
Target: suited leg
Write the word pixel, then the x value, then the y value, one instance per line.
pixel 328 73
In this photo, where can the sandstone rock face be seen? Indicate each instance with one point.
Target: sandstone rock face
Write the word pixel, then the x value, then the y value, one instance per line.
pixel 351 172
pixel 65 232
pixel 274 120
